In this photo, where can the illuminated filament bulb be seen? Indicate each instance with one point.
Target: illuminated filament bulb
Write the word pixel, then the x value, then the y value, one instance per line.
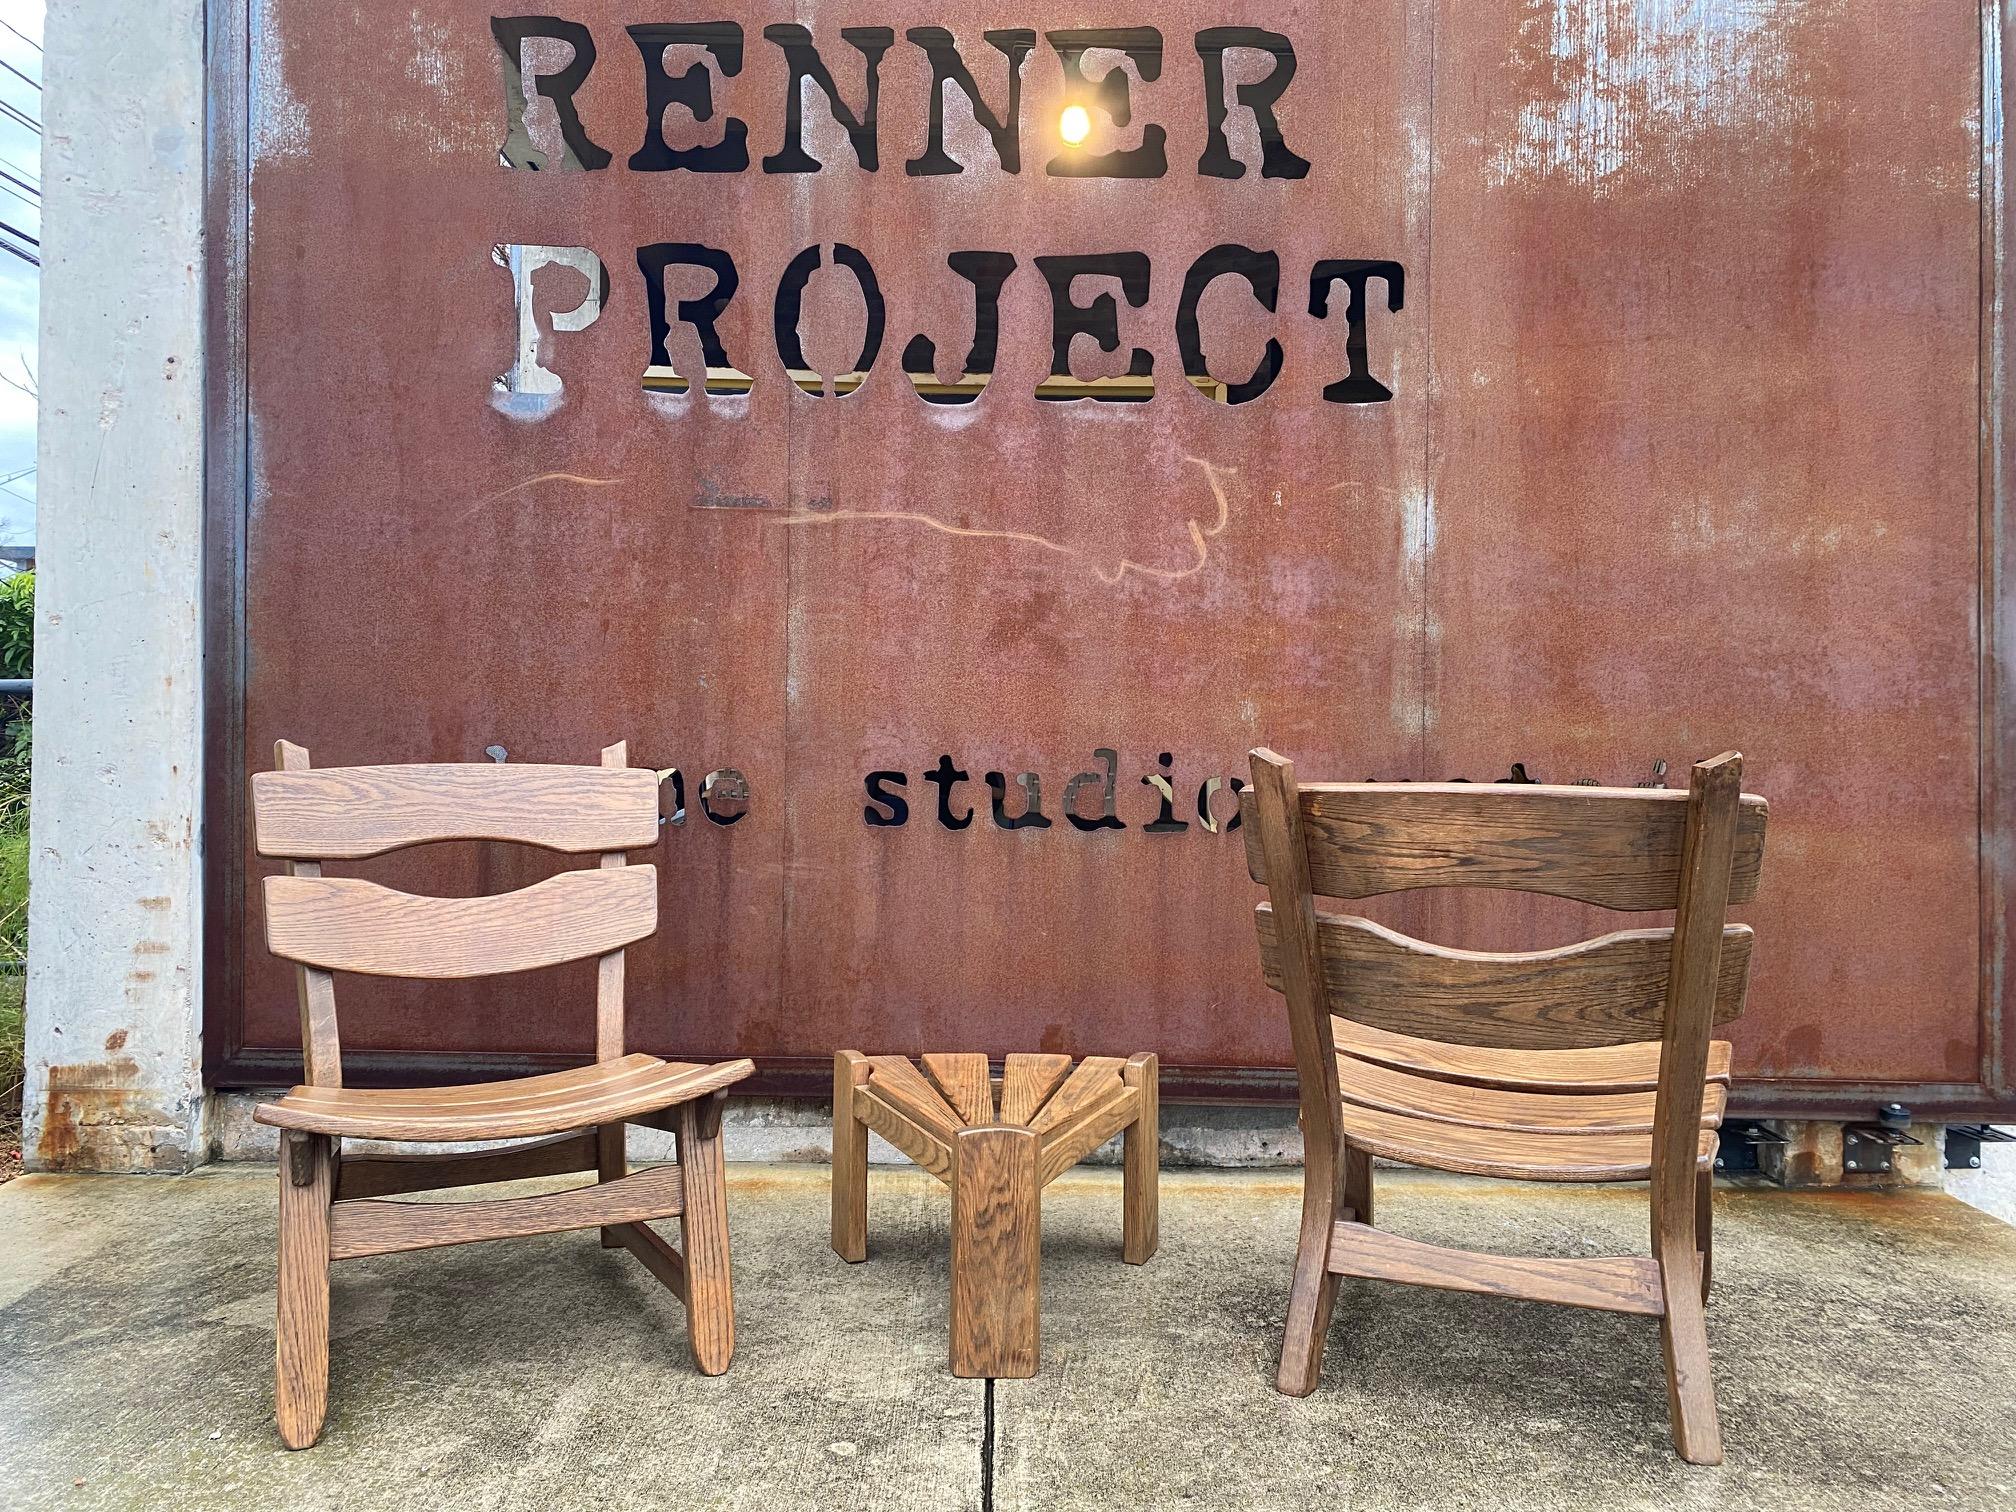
pixel 1075 124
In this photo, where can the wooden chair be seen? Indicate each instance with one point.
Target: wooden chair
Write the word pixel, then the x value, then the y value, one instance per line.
pixel 330 1207
pixel 1592 1062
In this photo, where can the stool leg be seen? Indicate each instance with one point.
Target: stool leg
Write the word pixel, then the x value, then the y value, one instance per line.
pixel 850 1160
pixel 1140 1182
pixel 997 1246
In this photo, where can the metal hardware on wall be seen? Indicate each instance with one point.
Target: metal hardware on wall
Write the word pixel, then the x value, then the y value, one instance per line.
pixel 1964 1141
pixel 1866 1147
pixel 1741 1146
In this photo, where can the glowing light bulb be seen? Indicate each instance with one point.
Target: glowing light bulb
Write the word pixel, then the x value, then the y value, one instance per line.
pixel 1075 125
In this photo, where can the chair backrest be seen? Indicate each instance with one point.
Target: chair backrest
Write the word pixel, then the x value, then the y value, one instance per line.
pixel 328 924
pixel 1618 848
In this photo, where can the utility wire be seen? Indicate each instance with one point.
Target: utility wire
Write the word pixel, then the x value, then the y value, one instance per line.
pixel 23 36
pixel 31 83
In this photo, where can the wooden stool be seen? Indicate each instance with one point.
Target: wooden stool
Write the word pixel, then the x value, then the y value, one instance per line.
pixel 1050 1118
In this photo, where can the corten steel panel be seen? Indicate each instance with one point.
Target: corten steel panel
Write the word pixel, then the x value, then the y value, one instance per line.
pixel 1683 455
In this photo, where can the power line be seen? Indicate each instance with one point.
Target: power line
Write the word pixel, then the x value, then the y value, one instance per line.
pixel 15 231
pixel 28 257
pixel 31 83
pixel 15 114
pixel 23 36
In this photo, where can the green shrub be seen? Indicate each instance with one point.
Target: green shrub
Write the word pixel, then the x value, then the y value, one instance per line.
pixel 17 625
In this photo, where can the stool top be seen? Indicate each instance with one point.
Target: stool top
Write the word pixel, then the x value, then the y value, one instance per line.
pixel 1040 1092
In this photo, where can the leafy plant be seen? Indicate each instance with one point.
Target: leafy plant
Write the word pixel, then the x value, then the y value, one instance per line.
pixel 17 625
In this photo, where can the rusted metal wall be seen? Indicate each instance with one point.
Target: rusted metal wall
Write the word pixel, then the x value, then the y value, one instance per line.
pixel 1685 451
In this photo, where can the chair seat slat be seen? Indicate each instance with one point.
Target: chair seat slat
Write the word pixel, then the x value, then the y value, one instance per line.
pixel 592 1100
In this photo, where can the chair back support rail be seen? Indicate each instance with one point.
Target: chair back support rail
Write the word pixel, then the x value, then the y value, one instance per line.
pixel 1589 1061
pixel 305 816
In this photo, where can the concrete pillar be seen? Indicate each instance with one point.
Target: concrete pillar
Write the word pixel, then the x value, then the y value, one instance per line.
pixel 115 911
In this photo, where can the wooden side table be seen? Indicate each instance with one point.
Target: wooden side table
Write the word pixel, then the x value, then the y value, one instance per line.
pixel 997 1144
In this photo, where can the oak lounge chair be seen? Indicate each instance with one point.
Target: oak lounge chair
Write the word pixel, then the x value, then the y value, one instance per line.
pixel 330 1207
pixel 1592 1062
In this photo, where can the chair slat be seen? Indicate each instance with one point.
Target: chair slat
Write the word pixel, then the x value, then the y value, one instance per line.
pixel 346 813
pixel 348 924
pixel 1615 847
pixel 1370 1085
pixel 1604 1068
pixel 1502 1152
pixel 964 1081
pixel 1607 991
pixel 1026 1079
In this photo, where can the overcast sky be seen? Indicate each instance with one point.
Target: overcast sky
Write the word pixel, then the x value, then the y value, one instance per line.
pixel 20 228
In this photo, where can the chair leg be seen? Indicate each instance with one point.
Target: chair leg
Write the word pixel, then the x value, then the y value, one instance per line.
pixel 997 1253
pixel 1142 1173
pixel 612 1160
pixel 1704 1227
pixel 1312 1297
pixel 1683 1338
pixel 850 1160
pixel 703 1230
pixel 301 1332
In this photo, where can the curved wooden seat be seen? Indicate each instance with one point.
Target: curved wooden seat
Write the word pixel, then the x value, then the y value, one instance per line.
pixel 605 1093
pixel 1530 1115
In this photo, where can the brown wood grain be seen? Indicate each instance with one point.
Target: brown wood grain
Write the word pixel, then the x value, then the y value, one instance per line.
pixel 931 1149
pixel 1026 1080
pixel 347 813
pixel 1369 1085
pixel 654 1253
pixel 390 1174
pixel 1706 888
pixel 1615 847
pixel 1623 1283
pixel 301 1327
pixel 967 1087
pixel 1088 1086
pixel 703 1234
pixel 1503 1152
pixel 595 1099
pixel 850 1158
pixel 321 1043
pixel 1278 854
pixel 1141 1162
pixel 1607 1068
pixel 1606 991
pixel 376 1227
pixel 350 924
pixel 997 1245
pixel 609 968
pixel 903 1086
pixel 1094 1123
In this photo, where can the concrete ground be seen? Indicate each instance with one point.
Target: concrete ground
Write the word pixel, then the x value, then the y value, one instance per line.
pixel 1863 1347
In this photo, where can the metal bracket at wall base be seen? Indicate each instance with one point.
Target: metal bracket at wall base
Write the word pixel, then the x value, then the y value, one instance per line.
pixel 1964 1141
pixel 1866 1147
pixel 1741 1145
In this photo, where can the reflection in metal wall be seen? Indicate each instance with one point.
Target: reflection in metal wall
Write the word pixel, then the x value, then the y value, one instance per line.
pixel 1559 383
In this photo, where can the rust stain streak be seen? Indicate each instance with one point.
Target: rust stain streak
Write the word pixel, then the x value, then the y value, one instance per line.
pixel 534 481
pixel 1200 535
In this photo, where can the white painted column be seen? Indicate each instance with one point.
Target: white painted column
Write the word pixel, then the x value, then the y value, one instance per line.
pixel 115 908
